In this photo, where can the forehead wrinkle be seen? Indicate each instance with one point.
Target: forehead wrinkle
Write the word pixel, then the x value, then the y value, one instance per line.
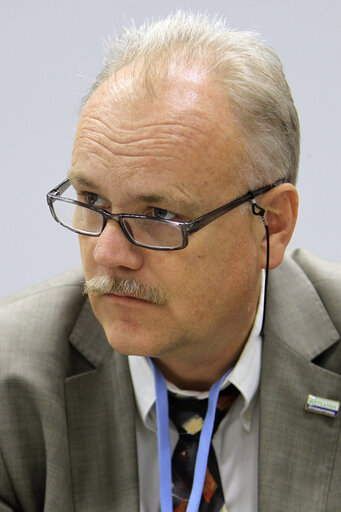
pixel 179 130
pixel 159 150
pixel 121 137
pixel 182 122
pixel 137 166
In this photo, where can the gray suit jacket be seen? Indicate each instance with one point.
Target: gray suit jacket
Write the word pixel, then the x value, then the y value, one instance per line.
pixel 67 428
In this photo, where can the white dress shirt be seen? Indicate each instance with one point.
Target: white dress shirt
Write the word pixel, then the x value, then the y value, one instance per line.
pixel 235 442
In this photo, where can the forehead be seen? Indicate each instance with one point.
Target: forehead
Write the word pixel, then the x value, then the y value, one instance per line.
pixel 182 135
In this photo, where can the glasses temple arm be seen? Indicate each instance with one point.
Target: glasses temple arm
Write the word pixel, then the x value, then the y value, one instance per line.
pixel 202 221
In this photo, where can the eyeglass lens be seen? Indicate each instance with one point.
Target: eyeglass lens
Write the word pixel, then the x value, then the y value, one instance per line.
pixel 149 232
pixel 153 233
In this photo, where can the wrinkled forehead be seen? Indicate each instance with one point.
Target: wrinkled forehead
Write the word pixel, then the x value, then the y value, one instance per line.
pixel 183 129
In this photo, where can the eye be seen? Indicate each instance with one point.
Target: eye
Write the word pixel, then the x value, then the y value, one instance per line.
pixel 94 200
pixel 160 213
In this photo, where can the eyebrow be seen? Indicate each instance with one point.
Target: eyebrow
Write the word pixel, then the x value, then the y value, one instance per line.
pixel 151 198
pixel 158 198
pixel 76 176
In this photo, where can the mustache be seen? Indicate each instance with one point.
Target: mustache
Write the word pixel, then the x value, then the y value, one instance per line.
pixel 102 285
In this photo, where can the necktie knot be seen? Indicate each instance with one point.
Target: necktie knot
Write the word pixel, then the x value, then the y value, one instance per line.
pixel 188 414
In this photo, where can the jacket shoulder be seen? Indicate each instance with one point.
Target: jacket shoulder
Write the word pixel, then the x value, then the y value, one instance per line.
pixel 69 279
pixel 325 276
pixel 35 324
pixel 316 268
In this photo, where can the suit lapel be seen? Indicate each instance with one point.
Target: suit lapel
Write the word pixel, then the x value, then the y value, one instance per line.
pixel 100 411
pixel 296 447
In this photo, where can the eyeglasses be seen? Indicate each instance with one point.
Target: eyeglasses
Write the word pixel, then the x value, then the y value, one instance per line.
pixel 141 230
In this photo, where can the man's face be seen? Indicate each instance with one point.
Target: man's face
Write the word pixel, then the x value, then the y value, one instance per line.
pixel 177 152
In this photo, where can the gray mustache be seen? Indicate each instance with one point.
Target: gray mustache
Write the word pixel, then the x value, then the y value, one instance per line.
pixel 101 285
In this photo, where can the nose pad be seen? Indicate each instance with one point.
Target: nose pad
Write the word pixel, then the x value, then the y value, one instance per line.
pixel 113 234
pixel 128 229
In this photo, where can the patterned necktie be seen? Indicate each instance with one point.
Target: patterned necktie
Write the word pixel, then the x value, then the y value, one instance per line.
pixel 188 416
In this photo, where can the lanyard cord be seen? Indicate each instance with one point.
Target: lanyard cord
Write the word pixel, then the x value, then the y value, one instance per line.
pixel 165 459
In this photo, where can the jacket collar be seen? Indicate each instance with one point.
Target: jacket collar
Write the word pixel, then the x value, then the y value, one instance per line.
pixel 297 448
pixel 296 313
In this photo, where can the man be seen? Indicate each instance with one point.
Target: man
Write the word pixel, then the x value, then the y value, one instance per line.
pixel 186 117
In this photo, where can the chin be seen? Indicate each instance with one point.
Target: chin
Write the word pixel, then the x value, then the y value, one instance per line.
pixel 135 340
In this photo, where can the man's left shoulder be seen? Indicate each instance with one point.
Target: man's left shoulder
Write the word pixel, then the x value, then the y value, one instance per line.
pixel 317 269
pixel 325 277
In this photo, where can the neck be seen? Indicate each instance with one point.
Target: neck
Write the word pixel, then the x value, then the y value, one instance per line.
pixel 191 377
pixel 198 372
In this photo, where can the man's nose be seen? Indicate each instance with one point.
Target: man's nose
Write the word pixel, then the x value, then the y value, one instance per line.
pixel 113 249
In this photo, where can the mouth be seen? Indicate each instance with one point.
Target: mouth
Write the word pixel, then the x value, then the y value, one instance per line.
pixel 128 299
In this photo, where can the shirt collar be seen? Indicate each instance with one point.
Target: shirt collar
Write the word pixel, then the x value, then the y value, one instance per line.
pixel 245 377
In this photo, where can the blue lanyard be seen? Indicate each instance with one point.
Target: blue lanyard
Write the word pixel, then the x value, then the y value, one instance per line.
pixel 165 457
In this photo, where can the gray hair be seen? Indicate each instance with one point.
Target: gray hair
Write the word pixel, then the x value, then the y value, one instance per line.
pixel 259 97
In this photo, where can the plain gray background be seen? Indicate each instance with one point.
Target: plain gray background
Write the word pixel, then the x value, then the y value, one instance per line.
pixel 51 50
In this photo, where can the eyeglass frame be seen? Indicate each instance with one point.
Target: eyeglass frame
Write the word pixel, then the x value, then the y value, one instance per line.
pixel 186 228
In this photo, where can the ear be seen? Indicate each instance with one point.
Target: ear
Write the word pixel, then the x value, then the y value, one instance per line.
pixel 281 208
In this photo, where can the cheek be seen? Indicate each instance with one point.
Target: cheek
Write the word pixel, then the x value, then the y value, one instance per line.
pixel 86 246
pixel 223 270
